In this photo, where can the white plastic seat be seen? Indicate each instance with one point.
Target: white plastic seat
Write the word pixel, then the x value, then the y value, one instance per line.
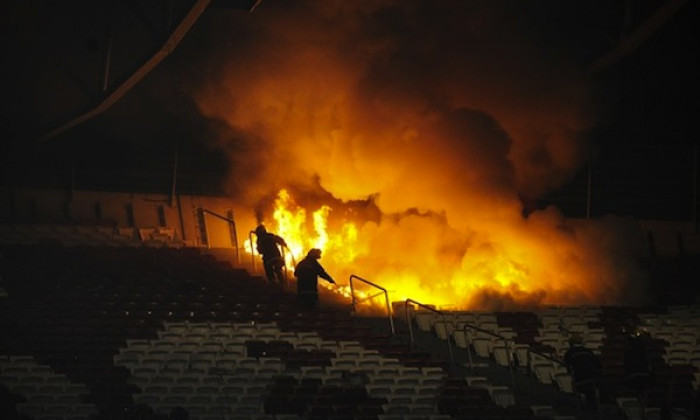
pixel 175 326
pixel 460 339
pixel 412 380
pixel 247 361
pixel 501 355
pixel 424 320
pixel 265 336
pixel 402 389
pixel 443 329
pixel 344 363
pixel 543 410
pixel 550 320
pixel 477 381
pixel 369 363
pixel 176 363
pixel 157 390
pixel 564 381
pixel 129 361
pixel 543 371
pixel 188 346
pixel 421 409
pixel 378 391
pixel 269 371
pixel 170 335
pixel 189 378
pixel 427 390
pixel 482 346
pixel 381 380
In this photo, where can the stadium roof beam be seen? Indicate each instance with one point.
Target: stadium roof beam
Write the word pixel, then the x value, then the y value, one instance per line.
pixel 635 39
pixel 111 96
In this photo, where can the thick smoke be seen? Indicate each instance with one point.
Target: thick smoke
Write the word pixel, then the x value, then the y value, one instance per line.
pixel 443 115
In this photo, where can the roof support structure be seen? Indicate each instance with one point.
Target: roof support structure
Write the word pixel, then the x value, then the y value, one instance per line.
pixel 113 95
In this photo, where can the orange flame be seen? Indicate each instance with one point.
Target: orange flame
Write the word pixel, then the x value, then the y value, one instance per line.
pixel 340 247
pixel 512 265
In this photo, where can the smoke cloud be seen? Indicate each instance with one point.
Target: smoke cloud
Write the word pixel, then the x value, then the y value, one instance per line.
pixel 440 116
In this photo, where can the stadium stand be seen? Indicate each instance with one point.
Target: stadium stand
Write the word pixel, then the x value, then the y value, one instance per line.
pixel 118 329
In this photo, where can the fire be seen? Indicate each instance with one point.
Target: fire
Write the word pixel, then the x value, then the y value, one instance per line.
pixel 516 263
pixel 291 222
pixel 302 233
pixel 345 254
pixel 442 141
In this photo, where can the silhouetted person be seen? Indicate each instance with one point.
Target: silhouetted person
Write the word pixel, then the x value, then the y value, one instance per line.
pixel 585 367
pixel 636 362
pixel 268 247
pixel 307 273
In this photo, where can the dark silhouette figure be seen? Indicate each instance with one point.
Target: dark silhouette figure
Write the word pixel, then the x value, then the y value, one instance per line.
pixel 636 362
pixel 585 367
pixel 307 273
pixel 268 247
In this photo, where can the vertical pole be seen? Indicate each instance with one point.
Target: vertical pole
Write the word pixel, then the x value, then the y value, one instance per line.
pixel 252 250
pixel 234 234
pixel 173 183
pixel 352 295
pixel 589 189
pixel 695 188
pixel 108 49
pixel 182 220
pixel 391 316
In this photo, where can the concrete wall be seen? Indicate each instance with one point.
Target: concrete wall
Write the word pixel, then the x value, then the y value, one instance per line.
pixel 112 208
pixel 59 207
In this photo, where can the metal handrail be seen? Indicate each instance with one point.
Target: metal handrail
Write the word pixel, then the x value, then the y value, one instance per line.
pixel 386 297
pixel 493 334
pixel 410 326
pixel 235 231
pixel 560 362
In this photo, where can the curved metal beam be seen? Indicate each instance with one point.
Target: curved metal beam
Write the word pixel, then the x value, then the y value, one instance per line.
pixel 643 32
pixel 117 93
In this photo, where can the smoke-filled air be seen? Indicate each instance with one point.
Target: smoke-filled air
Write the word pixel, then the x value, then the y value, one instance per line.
pixel 402 137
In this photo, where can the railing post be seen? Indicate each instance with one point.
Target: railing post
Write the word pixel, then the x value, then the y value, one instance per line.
pixel 386 297
pixel 234 234
pixel 568 368
pixel 252 250
pixel 410 326
pixel 500 337
pixel 352 295
pixel 232 228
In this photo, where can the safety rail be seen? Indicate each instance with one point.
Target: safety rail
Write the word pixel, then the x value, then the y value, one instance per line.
pixel 559 362
pixel 253 251
pixel 232 224
pixel 410 325
pixel 383 291
pixel 492 334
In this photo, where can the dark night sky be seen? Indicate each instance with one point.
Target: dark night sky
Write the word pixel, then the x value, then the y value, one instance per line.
pixel 643 144
pixel 646 149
